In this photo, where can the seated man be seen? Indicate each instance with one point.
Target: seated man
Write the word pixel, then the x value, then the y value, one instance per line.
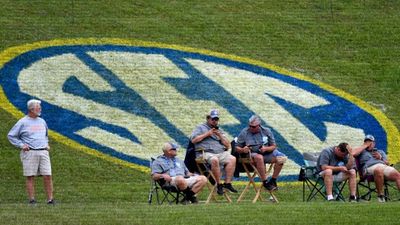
pixel 374 162
pixel 336 164
pixel 211 138
pixel 260 142
pixel 173 171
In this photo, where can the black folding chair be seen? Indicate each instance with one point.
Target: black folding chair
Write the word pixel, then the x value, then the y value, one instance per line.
pixel 366 185
pixel 163 191
pixel 314 183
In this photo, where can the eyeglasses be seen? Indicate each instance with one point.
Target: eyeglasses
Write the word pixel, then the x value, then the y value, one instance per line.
pixel 254 126
pixel 215 119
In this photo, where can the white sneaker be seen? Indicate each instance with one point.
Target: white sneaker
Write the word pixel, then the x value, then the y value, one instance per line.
pixel 381 198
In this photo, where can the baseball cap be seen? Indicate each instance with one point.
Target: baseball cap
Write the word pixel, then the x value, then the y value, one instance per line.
pixel 170 145
pixel 214 113
pixel 369 137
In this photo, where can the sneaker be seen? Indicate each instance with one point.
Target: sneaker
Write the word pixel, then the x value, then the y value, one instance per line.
pixel 32 202
pixel 51 202
pixel 352 198
pixel 381 198
pixel 220 189
pixel 194 200
pixel 184 201
pixel 270 186
pixel 230 188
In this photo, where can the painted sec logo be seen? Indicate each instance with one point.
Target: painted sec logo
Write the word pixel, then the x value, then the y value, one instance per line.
pixel 125 98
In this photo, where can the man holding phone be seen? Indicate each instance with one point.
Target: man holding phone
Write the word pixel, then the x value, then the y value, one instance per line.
pixel 374 162
pixel 260 142
pixel 211 138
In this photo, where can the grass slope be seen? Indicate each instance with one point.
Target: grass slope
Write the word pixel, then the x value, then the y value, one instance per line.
pixel 351 45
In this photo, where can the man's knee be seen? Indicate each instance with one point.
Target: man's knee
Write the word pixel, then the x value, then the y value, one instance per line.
pixel 214 161
pixel 327 173
pixel 378 172
pixel 202 179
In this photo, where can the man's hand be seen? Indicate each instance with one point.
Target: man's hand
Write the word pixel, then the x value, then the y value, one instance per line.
pixel 376 155
pixel 166 177
pixel 343 169
pixel 246 149
pixel 25 148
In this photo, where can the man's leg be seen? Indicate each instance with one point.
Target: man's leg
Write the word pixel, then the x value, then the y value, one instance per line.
pixel 30 187
pixel 230 169
pixel 352 182
pixel 328 181
pixel 394 175
pixel 260 165
pixel 201 181
pixel 48 185
pixel 379 180
pixel 215 169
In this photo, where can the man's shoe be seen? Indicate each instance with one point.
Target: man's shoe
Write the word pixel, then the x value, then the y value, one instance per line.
pixel 270 186
pixel 51 202
pixel 194 200
pixel 220 189
pixel 381 198
pixel 230 188
pixel 32 202
pixel 352 198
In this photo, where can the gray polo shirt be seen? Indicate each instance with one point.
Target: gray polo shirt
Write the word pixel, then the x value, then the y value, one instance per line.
pixel 171 166
pixel 328 157
pixel 366 159
pixel 212 144
pixel 30 131
pixel 255 141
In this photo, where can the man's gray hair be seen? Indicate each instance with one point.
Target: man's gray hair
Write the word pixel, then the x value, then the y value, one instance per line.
pixel 31 103
pixel 255 118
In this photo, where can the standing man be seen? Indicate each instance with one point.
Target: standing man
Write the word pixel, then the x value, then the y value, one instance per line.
pixel 336 164
pixel 173 171
pixel 260 142
pixel 212 139
pixel 374 162
pixel 30 134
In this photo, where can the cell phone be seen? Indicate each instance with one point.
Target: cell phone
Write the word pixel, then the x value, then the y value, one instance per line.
pixel 216 127
pixel 374 149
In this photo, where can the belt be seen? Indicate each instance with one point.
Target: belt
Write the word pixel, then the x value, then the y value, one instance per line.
pixel 37 149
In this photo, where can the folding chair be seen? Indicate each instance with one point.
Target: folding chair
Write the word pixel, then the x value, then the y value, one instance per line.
pixel 314 183
pixel 163 191
pixel 245 164
pixel 367 183
pixel 205 169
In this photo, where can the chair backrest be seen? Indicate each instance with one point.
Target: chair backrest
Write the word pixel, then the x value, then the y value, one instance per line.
pixel 190 158
pixel 310 162
pixel 361 172
pixel 239 166
pixel 311 158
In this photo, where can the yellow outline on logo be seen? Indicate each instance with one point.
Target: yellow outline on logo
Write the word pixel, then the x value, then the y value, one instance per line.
pixel 393 136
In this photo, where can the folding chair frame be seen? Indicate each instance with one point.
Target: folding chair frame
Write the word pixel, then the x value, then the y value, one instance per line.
pixel 205 169
pixel 248 165
pixel 316 186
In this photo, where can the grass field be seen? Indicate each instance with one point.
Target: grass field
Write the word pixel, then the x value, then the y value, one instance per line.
pixel 351 45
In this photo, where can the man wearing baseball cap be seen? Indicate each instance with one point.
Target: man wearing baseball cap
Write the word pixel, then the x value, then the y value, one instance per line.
pixel 211 138
pixel 173 170
pixel 374 162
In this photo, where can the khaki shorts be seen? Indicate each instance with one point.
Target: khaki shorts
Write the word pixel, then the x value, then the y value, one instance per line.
pixel 191 181
pixel 223 157
pixel 338 177
pixel 387 170
pixel 35 163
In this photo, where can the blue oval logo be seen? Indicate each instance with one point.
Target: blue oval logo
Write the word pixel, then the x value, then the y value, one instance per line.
pixel 124 99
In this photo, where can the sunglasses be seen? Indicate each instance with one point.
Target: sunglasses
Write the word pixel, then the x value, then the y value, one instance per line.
pixel 253 126
pixel 215 119
pixel 173 149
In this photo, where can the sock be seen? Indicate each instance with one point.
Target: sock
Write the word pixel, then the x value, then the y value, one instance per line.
pixel 189 193
pixel 329 197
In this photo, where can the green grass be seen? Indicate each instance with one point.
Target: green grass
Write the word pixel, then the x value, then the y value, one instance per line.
pixel 351 45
